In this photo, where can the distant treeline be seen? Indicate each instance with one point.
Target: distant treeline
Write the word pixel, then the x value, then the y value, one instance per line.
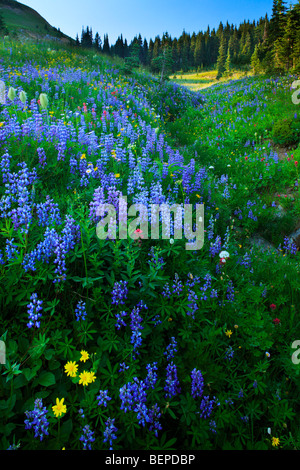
pixel 265 45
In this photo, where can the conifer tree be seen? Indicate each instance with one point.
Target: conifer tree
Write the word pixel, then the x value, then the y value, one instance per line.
pixel 221 58
pixel 283 47
pixel 228 63
pixel 106 47
pixel 255 62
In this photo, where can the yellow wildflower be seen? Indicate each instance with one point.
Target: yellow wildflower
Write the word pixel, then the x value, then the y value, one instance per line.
pixel 82 156
pixel 59 408
pixel 71 368
pixel 84 356
pixel 84 378
pixel 117 175
pixel 275 441
pixel 228 333
pixel 92 377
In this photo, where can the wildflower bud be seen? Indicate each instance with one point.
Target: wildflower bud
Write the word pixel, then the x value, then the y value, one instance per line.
pixel 44 100
pixel 11 93
pixel 23 97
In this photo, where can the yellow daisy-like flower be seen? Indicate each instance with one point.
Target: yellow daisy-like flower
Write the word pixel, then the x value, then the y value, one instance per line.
pixel 92 377
pixel 59 408
pixel 275 441
pixel 117 175
pixel 84 378
pixel 228 333
pixel 71 368
pixel 84 356
pixel 1 124
pixel 82 156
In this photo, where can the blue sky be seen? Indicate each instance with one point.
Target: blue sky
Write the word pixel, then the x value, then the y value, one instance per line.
pixel 131 17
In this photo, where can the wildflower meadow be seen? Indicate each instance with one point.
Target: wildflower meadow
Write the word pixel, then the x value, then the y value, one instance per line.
pixel 135 342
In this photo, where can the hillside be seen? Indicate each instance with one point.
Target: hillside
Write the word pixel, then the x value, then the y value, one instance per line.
pixel 24 23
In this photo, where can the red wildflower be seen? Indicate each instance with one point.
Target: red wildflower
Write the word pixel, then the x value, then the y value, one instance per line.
pixel 272 306
pixel 246 158
pixel 276 321
pixel 139 232
pixel 296 163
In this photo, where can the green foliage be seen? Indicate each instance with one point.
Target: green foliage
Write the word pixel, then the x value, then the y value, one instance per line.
pixel 286 131
pixel 235 321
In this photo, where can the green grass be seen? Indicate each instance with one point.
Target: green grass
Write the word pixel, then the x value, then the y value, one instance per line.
pixel 199 80
pixel 25 21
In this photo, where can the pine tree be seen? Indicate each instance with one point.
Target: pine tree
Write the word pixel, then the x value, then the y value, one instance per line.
pixel 283 47
pixel 106 47
pixel 97 42
pixel 221 58
pixel 255 62
pixel 277 21
pixel 228 63
pixel 199 51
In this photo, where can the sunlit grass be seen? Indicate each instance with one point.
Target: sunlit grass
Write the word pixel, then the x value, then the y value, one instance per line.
pixel 199 80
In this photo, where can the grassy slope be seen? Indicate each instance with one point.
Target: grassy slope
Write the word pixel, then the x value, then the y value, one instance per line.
pixel 25 21
pixel 199 80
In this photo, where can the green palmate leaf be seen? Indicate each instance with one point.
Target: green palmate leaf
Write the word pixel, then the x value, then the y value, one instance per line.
pixel 46 379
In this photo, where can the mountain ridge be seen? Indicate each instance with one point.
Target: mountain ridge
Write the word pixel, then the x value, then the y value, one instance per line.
pixel 25 23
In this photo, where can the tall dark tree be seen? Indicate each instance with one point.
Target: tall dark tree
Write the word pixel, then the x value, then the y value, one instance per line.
pixel 221 57
pixel 106 47
pixel 277 21
pixel 97 42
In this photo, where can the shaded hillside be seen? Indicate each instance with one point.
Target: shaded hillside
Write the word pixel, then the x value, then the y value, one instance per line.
pixel 24 23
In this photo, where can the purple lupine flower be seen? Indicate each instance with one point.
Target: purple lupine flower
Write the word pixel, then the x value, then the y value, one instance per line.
pixel 11 250
pixel 215 246
pixel 245 261
pixel 119 293
pixel 65 242
pixel 172 386
pixel 109 432
pixel 87 437
pixel 34 309
pixel 120 322
pixel 289 246
pixel 197 383
pixel 206 407
pixel 48 212
pixel 229 353
pixel 36 419
pixel 171 349
pixel 154 414
pixel 192 305
pixel 230 291
pixel 166 291
pixel 103 398
pixel 177 286
pixel 151 377
pixel 133 395
pixel 80 310
pixel 213 426
pixel 207 285
pixel 123 367
pixel 42 157
pixel 136 327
